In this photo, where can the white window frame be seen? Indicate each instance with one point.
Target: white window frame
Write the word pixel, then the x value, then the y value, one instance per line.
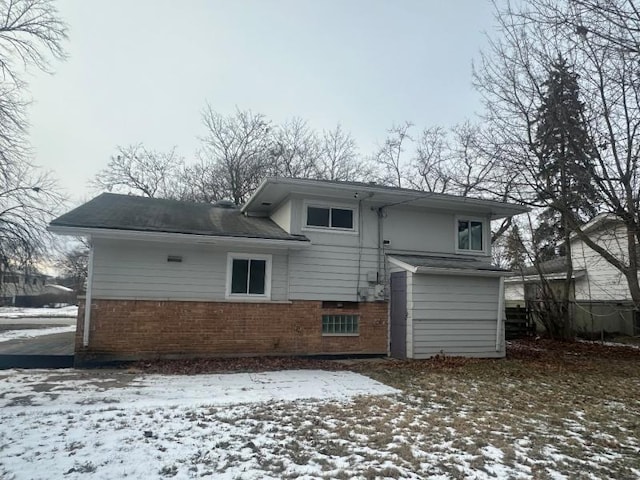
pixel 267 275
pixel 485 237
pixel 354 209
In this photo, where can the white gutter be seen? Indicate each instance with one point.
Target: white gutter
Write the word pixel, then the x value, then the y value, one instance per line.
pixel 500 313
pixel 177 237
pixel 87 300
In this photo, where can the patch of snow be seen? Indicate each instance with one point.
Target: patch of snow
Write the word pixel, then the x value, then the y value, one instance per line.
pixel 610 344
pixel 105 425
pixel 20 312
pixel 32 333
pixel 147 391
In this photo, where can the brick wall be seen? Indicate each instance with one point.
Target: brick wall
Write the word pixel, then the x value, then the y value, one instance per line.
pixel 132 329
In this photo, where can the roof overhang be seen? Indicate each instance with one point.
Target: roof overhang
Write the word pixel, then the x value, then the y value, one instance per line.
pixel 465 272
pixel 185 238
pixel 272 191
pixel 549 276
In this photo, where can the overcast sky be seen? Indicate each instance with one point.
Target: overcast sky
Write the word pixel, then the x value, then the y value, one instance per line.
pixel 141 71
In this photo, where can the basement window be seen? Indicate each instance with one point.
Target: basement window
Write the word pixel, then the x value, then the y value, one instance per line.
pixel 340 325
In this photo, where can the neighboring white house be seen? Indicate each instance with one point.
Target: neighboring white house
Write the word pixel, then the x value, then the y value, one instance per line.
pixel 600 291
pixel 18 284
pixel 302 268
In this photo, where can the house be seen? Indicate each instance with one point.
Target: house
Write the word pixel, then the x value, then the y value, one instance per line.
pixel 599 291
pixel 305 267
pixel 19 288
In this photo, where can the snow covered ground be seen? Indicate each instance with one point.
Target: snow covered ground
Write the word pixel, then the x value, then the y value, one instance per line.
pixel 113 425
pixel 574 416
pixel 19 312
pixel 9 335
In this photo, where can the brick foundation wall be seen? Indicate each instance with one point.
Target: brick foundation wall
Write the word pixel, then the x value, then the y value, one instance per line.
pixel 134 329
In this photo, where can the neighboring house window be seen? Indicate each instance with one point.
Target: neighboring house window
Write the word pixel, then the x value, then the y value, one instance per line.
pixel 249 275
pixel 470 233
pixel 330 217
pixel 340 324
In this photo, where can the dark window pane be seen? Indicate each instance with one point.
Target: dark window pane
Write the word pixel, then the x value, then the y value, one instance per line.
pixel 239 275
pixel 463 235
pixel 318 217
pixel 476 235
pixel 256 277
pixel 341 218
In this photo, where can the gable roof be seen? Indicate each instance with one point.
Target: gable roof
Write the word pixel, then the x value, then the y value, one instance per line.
pixel 272 191
pixel 110 211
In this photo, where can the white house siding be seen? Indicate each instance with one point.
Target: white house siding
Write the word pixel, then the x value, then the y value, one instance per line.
pixel 140 270
pixel 328 270
pixel 282 215
pixel 603 282
pixel 455 315
pixel 514 292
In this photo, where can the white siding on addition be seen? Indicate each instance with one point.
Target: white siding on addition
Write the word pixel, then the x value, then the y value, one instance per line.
pixel 455 315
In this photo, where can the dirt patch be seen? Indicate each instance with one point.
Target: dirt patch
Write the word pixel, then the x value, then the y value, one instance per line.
pixel 235 365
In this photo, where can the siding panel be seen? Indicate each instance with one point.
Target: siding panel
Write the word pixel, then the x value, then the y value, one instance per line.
pixel 130 269
pixel 455 315
pixel 329 272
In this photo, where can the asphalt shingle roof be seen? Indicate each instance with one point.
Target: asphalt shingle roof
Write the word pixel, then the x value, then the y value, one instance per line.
pixel 127 212
pixel 433 261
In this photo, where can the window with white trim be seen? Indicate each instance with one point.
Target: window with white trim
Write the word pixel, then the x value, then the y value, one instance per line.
pixel 330 217
pixel 470 235
pixel 248 275
pixel 340 324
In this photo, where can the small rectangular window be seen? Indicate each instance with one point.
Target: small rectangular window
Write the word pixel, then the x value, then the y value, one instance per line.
pixel 330 217
pixel 340 324
pixel 318 217
pixel 470 235
pixel 341 218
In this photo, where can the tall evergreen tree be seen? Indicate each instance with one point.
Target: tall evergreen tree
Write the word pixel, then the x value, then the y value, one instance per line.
pixel 563 148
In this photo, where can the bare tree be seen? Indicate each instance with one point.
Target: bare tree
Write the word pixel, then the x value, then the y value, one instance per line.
pixel 600 41
pixel 432 161
pixel 30 33
pixel 390 155
pixel 339 158
pixel 73 264
pixel 136 169
pixel 295 150
pixel 236 148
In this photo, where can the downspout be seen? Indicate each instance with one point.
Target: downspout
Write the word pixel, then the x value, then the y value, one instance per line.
pixel 381 277
pixel 87 300
pixel 500 313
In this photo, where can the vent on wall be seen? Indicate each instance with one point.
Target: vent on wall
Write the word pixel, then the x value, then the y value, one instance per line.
pixel 174 258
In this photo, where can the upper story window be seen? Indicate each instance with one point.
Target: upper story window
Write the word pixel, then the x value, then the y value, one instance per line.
pixel 470 235
pixel 330 217
pixel 248 275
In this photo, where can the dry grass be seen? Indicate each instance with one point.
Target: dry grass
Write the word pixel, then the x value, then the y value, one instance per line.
pixel 548 410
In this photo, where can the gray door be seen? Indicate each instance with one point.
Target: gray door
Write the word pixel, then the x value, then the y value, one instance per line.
pixel 398 315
